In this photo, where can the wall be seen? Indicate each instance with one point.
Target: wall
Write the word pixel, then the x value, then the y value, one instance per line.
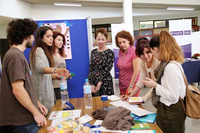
pixel 15 9
pixel 3 34
pixel 137 19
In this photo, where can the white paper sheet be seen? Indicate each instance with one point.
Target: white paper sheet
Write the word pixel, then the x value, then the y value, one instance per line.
pixel 124 104
pixel 133 108
pixel 103 129
pixel 113 98
pixel 141 112
pixel 58 121
pixel 98 122
pixel 65 114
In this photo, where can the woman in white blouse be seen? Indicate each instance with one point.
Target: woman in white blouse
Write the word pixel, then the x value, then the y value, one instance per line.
pixel 170 87
pixel 148 64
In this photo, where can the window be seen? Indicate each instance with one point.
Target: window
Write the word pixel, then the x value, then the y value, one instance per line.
pixel 146 25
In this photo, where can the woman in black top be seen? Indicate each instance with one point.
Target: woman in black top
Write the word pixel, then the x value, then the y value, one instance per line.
pixel 101 63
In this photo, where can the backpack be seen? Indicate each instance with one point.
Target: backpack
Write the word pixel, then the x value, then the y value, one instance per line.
pixel 191 102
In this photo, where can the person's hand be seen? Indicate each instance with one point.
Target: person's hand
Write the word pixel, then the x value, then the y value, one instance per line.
pixel 149 82
pixel 98 86
pixel 93 89
pixel 124 97
pixel 42 108
pixel 129 90
pixel 56 76
pixel 63 72
pixel 40 119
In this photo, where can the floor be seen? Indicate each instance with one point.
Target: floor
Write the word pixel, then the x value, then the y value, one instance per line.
pixel 191 125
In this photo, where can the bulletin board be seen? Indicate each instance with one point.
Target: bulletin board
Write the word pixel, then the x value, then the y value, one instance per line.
pixel 79 63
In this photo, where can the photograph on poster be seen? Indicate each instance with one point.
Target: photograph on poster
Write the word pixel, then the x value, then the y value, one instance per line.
pixel 64 29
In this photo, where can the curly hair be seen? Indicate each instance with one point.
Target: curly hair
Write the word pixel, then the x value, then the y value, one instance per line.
pixel 61 50
pixel 20 29
pixel 126 35
pixel 102 31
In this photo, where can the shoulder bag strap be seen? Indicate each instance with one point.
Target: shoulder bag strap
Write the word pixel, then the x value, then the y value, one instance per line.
pixel 186 84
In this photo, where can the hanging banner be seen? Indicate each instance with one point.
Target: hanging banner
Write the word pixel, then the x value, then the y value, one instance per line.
pixel 181 30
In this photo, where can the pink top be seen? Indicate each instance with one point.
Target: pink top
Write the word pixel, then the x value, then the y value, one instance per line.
pixel 125 65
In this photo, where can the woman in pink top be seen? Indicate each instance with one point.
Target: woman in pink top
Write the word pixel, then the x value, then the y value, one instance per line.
pixel 128 62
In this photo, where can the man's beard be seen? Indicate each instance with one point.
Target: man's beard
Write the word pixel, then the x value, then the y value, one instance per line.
pixel 29 44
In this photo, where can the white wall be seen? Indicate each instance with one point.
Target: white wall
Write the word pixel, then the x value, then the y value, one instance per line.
pixel 15 9
pixel 137 19
pixel 3 34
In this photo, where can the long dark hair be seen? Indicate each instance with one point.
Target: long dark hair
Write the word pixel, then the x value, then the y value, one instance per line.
pixel 39 43
pixel 61 50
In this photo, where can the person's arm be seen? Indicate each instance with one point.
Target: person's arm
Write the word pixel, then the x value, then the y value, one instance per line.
pixel 172 78
pixel 136 68
pixel 22 96
pixel 42 67
pixel 91 74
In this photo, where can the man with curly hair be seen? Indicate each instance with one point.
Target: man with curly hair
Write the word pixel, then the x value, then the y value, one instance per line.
pixel 19 108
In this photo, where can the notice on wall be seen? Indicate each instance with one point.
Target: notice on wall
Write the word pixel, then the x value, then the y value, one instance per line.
pixel 64 29
pixel 181 30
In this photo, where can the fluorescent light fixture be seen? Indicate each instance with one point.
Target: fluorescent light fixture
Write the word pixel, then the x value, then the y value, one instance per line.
pixel 181 8
pixel 66 4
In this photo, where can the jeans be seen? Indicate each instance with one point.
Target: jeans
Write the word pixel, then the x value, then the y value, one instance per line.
pixel 29 128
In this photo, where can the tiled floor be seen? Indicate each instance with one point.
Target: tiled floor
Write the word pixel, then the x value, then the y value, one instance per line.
pixel 191 125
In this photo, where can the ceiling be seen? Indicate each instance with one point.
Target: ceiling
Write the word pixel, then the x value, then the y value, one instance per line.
pixel 111 3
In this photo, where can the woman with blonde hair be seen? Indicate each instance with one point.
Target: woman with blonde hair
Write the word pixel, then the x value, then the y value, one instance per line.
pixel 169 85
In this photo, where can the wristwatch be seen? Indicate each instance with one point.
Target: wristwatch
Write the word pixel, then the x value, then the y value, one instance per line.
pixel 131 86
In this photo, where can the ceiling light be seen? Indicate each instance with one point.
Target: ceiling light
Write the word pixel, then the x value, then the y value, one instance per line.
pixel 181 8
pixel 66 4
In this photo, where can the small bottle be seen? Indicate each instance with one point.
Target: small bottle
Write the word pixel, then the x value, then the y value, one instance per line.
pixel 87 94
pixel 63 91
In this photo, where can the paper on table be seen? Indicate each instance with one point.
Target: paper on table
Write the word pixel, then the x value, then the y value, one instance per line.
pixel 141 112
pixel 113 98
pixel 103 129
pixel 65 114
pixel 133 108
pixel 58 121
pixel 84 119
pixel 98 122
pixel 135 99
pixel 124 104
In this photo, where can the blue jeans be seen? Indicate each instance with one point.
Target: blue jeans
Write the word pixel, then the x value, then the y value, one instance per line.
pixel 29 128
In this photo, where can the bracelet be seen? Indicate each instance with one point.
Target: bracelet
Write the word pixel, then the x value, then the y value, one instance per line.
pixel 54 69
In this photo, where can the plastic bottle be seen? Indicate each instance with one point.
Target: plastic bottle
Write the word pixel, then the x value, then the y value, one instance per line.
pixel 87 94
pixel 63 91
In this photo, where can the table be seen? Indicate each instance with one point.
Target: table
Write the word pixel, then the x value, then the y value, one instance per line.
pixel 79 104
pixel 192 70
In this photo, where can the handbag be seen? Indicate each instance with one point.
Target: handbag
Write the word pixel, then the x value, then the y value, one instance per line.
pixel 191 102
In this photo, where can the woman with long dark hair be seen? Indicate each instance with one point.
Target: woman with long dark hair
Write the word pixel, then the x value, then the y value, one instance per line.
pixel 42 66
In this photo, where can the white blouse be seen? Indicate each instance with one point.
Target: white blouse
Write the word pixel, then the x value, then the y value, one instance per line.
pixel 172 84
